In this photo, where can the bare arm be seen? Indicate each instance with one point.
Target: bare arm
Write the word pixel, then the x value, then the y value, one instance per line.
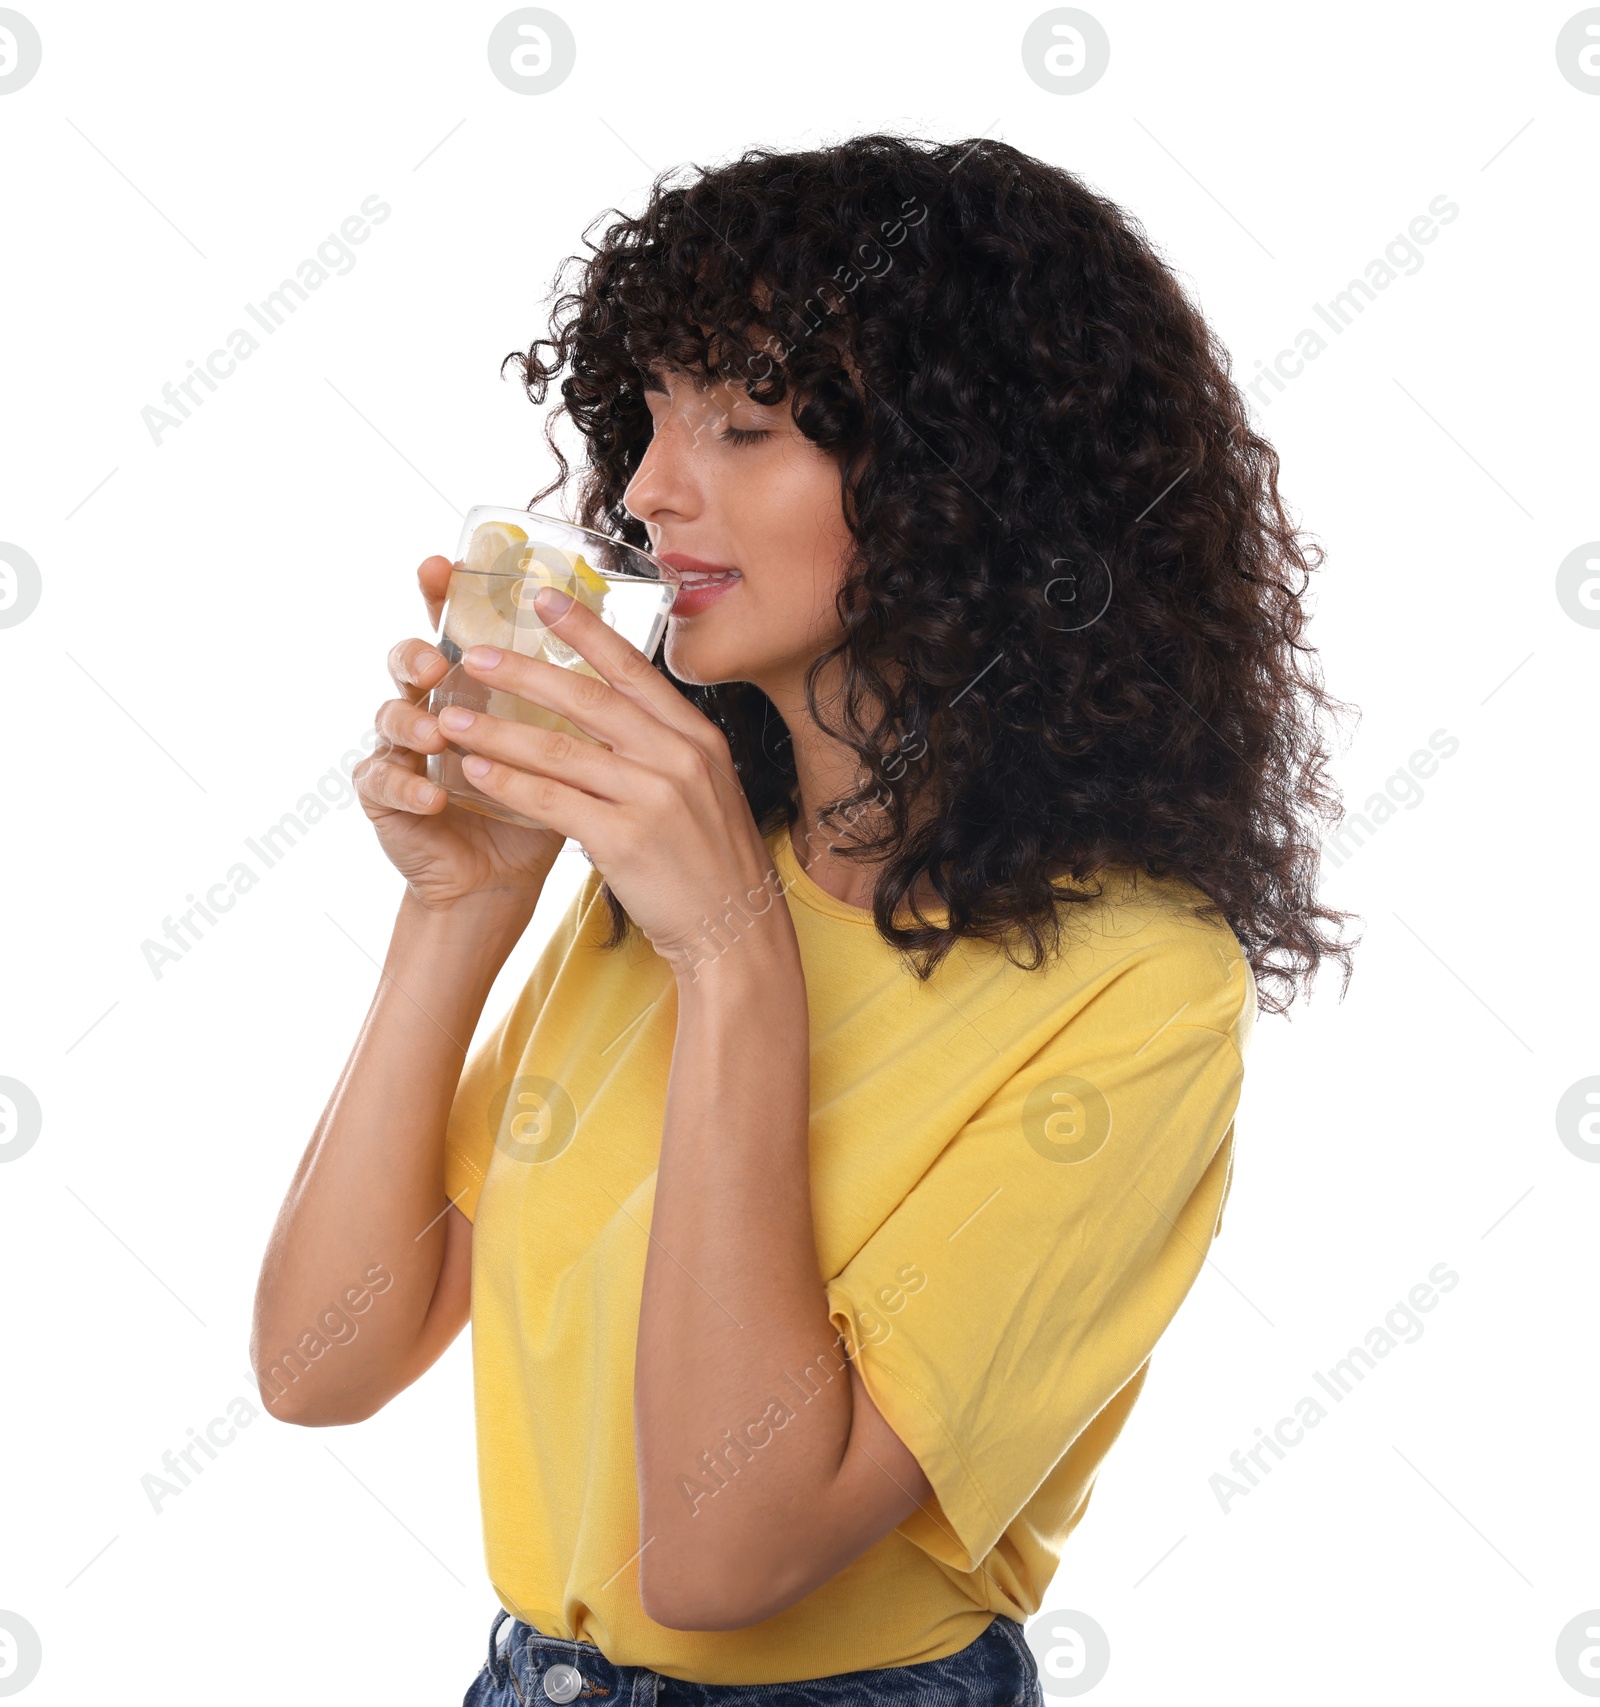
pixel 365 1260
pixel 753 1489
pixel 764 1466
pixel 366 1276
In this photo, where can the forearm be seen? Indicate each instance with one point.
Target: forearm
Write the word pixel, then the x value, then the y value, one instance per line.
pixel 369 1189
pixel 742 1400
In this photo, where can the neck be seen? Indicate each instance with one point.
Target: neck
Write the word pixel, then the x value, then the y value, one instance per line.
pixel 826 769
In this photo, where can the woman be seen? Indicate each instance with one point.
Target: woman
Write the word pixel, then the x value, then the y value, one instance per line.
pixel 869 1113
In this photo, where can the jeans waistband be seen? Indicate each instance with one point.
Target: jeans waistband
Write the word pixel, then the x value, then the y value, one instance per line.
pixel 527 1655
pixel 995 1670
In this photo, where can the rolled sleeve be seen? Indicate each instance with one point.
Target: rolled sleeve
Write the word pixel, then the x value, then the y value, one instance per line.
pixel 1022 1285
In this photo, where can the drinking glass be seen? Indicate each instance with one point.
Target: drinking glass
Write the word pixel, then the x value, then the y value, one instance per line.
pixel 504 557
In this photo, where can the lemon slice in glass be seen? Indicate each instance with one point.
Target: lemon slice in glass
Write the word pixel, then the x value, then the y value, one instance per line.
pixel 549 566
pixel 495 548
pixel 482 596
pixel 470 617
pixel 590 587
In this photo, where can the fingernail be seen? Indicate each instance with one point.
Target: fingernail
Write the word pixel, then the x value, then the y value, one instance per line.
pixel 482 657
pixel 475 766
pixel 453 717
pixel 552 601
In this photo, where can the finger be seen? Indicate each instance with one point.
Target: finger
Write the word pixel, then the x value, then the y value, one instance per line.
pixel 382 786
pixel 403 727
pixel 625 667
pixel 562 808
pixel 549 752
pixel 415 667
pixel 433 577
pixel 599 710
pixel 403 758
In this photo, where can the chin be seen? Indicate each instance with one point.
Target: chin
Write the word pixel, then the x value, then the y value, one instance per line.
pixel 699 662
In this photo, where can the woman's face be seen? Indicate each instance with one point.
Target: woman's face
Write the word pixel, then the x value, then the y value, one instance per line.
pixel 711 494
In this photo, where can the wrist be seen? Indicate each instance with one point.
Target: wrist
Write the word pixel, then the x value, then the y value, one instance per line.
pixel 476 931
pixel 511 902
pixel 756 966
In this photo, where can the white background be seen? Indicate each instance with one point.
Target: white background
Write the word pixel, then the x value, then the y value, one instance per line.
pixel 211 637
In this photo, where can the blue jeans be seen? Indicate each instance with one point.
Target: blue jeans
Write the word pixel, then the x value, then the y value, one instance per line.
pixel 996 1670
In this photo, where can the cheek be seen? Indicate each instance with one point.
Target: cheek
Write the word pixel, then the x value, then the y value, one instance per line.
pixel 794 505
pixel 806 545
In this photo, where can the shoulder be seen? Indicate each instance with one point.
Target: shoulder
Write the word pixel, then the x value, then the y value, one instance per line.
pixel 1152 949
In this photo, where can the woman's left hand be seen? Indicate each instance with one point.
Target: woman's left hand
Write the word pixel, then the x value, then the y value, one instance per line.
pixel 661 813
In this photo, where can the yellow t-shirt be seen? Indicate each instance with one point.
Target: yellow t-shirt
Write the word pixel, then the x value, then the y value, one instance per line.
pixel 1015 1179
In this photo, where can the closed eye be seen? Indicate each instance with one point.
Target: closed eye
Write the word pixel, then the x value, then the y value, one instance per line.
pixel 741 435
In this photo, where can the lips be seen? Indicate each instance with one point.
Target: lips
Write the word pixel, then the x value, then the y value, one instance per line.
pixel 687 570
pixel 700 584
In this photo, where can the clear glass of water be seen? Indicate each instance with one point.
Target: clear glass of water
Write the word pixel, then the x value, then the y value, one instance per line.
pixel 504 557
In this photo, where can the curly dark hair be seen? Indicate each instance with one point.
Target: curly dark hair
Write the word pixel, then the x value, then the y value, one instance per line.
pixel 1074 581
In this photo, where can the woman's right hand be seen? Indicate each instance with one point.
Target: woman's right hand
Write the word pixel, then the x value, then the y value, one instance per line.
pixel 445 852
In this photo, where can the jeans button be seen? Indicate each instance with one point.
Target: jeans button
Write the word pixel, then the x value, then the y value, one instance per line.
pixel 562 1683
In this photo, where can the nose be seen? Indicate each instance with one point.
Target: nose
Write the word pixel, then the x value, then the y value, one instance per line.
pixel 668 485
pixel 675 475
